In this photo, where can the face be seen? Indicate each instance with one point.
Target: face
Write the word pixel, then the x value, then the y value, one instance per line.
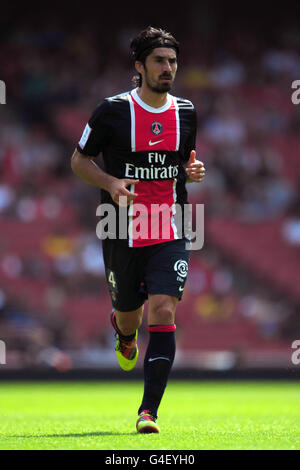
pixel 159 70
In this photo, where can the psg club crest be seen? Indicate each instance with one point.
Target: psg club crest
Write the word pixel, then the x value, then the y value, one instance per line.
pixel 156 128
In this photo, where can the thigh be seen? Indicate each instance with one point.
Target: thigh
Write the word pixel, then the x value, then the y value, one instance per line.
pixel 123 276
pixel 167 268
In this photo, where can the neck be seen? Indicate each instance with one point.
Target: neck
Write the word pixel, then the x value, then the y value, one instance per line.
pixel 151 98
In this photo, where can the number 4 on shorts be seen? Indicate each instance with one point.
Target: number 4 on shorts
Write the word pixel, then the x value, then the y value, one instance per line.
pixel 111 279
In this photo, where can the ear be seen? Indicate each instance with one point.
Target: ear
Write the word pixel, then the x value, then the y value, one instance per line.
pixel 139 67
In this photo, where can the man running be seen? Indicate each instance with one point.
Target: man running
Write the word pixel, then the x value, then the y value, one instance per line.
pixel 147 138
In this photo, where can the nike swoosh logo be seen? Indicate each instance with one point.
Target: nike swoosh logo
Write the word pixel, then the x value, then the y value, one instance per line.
pixel 156 358
pixel 181 289
pixel 154 143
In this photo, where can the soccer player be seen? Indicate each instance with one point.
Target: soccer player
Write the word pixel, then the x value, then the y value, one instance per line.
pixel 147 138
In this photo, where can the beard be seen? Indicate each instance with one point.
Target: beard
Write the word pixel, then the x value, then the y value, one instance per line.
pixel 159 87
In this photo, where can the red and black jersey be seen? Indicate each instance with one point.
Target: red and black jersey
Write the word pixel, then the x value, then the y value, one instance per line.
pixel 148 144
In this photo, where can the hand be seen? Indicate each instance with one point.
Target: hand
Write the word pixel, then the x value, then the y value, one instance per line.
pixel 195 169
pixel 118 189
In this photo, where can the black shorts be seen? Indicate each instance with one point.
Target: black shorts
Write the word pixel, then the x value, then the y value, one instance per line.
pixel 133 273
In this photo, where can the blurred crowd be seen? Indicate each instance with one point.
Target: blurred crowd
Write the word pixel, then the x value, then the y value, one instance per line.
pixel 242 93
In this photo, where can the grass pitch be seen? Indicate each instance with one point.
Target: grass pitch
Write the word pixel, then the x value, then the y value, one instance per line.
pixel 193 415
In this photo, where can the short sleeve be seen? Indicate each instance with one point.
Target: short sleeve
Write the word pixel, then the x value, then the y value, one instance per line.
pixel 96 134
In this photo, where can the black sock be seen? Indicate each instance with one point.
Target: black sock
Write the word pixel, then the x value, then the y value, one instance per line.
pixel 157 365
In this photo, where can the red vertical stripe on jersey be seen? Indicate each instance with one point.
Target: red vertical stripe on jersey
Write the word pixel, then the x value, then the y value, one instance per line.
pixel 154 225
pixel 153 132
pixel 145 138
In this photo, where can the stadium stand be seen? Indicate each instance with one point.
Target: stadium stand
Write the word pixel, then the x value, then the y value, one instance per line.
pixel 242 296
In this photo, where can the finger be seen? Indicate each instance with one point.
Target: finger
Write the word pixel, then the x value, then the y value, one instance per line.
pixel 125 192
pixel 196 175
pixel 196 172
pixel 196 167
pixel 124 200
pixel 128 181
pixel 196 164
pixel 192 158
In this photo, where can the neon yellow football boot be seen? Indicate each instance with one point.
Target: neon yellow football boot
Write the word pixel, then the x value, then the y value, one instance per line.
pixel 146 423
pixel 127 351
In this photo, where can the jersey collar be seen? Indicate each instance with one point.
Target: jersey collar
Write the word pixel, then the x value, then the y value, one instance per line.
pixel 150 108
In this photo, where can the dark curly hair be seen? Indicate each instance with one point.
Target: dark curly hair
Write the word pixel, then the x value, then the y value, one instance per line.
pixel 145 42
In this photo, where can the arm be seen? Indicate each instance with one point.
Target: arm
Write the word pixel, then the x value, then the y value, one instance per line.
pixel 85 168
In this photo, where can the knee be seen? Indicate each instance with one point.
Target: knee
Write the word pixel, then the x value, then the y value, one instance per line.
pixel 162 315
